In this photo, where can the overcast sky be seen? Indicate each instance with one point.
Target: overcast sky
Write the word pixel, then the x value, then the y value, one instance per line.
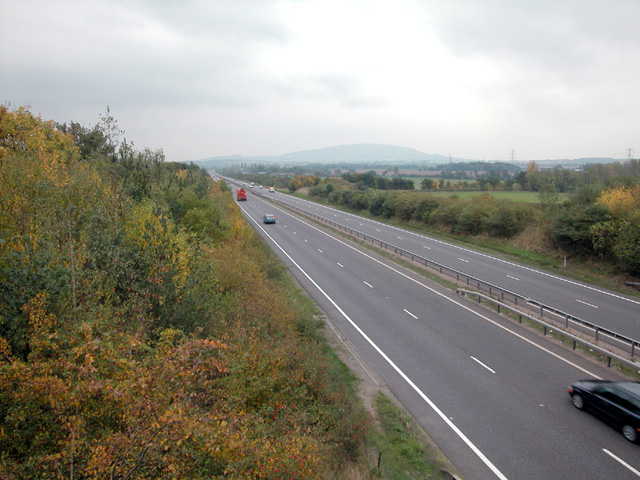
pixel 473 79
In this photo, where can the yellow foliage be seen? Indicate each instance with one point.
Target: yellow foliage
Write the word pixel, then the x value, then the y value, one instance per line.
pixel 43 327
pixel 155 234
pixel 622 201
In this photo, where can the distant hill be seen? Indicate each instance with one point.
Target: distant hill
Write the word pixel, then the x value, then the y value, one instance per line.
pixel 366 153
pixel 356 153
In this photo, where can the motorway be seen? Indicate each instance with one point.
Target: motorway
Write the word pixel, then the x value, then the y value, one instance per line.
pixel 614 311
pixel 491 395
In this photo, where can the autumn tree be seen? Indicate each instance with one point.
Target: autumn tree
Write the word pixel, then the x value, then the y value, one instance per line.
pixel 140 338
pixel 619 236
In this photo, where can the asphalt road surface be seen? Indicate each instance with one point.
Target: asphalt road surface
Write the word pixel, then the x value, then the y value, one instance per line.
pixel 617 312
pixel 492 395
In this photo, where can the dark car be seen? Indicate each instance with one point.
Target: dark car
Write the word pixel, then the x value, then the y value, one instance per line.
pixel 269 218
pixel 617 403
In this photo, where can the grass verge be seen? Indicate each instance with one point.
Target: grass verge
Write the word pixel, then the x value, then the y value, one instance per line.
pixel 403 453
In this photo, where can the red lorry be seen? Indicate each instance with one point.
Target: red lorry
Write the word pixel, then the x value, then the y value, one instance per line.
pixel 241 194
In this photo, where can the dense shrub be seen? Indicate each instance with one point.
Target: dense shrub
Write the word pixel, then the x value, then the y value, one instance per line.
pixel 508 219
pixel 425 206
pixel 447 213
pixel 571 228
pixel 146 331
pixel 472 219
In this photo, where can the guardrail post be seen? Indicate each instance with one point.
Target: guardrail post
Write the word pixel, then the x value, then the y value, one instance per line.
pixel 566 321
pixel 597 333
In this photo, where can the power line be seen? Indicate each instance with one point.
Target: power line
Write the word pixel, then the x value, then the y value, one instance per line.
pixel 629 153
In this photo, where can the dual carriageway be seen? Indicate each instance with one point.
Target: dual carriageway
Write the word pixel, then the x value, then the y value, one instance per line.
pixel 490 393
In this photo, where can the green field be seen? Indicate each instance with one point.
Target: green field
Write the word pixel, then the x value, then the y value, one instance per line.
pixel 522 197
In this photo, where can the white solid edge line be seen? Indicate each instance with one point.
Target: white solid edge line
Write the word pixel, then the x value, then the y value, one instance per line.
pixel 455 302
pixel 435 408
pixel 622 462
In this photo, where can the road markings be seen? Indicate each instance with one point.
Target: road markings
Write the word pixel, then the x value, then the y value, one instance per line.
pixel 399 238
pixel 424 246
pixel 409 313
pixel 426 287
pixel 622 462
pixel 427 400
pixel 587 304
pixel 367 284
pixel 513 278
pixel 490 369
pixel 463 260
pixel 391 363
pixel 340 265
pixel 306 241
pixel 540 272
pixel 461 305
pixel 320 251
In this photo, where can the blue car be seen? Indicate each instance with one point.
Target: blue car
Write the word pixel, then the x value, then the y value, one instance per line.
pixel 269 218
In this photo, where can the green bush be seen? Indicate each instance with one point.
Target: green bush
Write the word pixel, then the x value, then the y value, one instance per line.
pixel 571 227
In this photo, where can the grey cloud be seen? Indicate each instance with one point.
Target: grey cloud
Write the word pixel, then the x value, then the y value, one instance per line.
pixel 209 59
pixel 344 90
pixel 559 34
pixel 240 20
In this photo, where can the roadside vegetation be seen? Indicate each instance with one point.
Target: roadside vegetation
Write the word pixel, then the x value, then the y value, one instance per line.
pixel 146 331
pixel 587 222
